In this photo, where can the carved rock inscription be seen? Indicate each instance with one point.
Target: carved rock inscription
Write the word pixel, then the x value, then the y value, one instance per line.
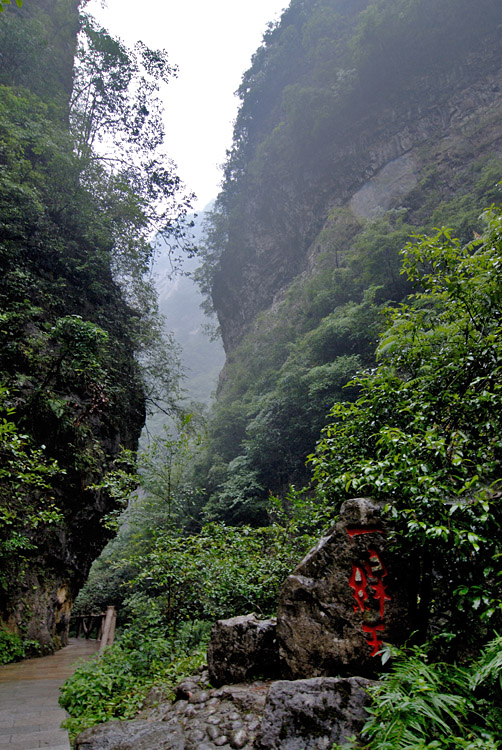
pixel 348 597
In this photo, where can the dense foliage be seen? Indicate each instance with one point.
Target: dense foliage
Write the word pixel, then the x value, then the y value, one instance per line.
pixel 170 581
pixel 13 647
pixel 163 570
pixel 114 685
pixel 281 380
pixel 423 435
pixel 427 705
pixel 169 587
pixel 26 494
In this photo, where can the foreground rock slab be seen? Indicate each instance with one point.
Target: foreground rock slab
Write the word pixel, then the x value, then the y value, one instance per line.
pixel 313 714
pixel 348 597
pixel 140 735
pixel 282 715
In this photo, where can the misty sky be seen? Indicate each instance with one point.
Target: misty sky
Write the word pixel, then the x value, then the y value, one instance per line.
pixel 212 43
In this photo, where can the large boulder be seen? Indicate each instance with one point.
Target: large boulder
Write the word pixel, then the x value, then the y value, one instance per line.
pixel 313 714
pixel 242 648
pixel 349 595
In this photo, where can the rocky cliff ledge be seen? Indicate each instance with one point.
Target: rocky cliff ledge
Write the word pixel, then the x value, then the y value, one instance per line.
pixel 71 391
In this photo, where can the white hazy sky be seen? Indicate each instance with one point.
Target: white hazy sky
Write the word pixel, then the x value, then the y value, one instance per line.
pixel 212 42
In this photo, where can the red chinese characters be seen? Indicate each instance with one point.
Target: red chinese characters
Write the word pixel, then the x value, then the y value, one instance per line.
pixel 376 573
pixel 367 576
pixel 357 532
pixel 359 583
pixel 375 642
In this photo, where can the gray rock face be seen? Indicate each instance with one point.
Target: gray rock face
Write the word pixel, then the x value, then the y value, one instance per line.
pixel 386 189
pixel 346 598
pixel 429 128
pixel 313 714
pixel 242 648
pixel 126 735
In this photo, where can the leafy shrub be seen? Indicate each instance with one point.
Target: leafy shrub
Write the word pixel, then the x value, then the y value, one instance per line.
pixel 113 685
pixel 160 578
pixel 26 499
pixel 15 648
pixel 424 435
pixel 421 705
pixel 221 572
pixel 425 705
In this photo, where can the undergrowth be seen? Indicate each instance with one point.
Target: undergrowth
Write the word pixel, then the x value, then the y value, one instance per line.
pixel 436 706
pixel 114 685
pixel 15 648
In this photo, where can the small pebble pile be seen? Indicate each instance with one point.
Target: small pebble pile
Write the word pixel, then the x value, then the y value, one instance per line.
pixel 227 717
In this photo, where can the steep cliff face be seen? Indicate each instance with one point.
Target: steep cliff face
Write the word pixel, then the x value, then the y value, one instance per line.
pixel 388 107
pixel 360 124
pixel 70 390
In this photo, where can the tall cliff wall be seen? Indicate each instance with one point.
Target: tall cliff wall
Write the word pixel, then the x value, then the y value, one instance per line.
pixel 360 124
pixel 70 389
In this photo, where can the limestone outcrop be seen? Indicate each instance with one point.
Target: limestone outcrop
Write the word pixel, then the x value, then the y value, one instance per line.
pixel 347 597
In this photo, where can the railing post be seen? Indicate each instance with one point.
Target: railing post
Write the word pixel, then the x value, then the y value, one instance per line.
pixel 108 629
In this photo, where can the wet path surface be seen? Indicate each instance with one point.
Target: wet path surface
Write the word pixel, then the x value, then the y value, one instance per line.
pixel 30 716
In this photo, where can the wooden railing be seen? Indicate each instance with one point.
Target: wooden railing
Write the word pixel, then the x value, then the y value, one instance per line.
pixel 102 624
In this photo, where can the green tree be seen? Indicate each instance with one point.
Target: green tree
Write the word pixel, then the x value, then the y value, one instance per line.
pixel 116 121
pixel 168 498
pixel 424 435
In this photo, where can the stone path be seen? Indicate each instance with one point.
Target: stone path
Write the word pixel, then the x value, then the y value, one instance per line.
pixel 30 716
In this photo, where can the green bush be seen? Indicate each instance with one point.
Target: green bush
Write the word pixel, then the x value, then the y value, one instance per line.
pixel 113 685
pixel 436 706
pixel 221 572
pixel 15 648
pixel 423 705
pixel 423 436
